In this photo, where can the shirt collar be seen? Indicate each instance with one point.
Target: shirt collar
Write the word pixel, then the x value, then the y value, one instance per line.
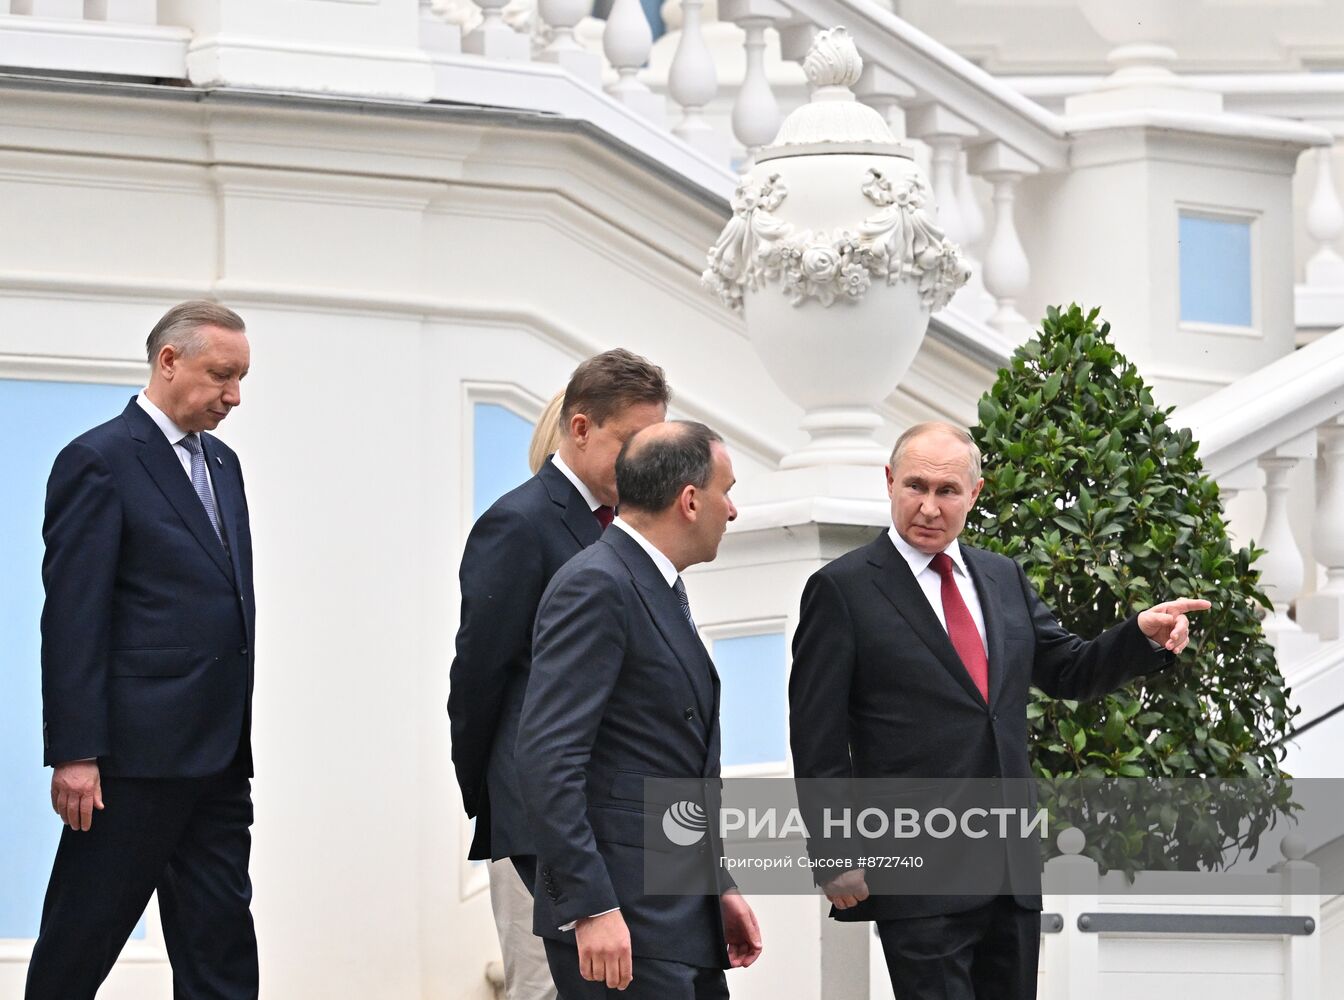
pixel 919 561
pixel 663 563
pixel 573 477
pixel 171 431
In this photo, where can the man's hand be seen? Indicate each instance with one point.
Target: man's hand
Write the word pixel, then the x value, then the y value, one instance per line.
pixel 1166 623
pixel 741 930
pixel 604 949
pixel 76 791
pixel 846 890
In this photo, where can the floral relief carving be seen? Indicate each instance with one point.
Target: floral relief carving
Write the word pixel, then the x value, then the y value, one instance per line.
pixel 900 242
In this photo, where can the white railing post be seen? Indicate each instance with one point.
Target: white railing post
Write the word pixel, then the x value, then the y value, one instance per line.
pixel 493 37
pixel 1323 611
pixel 945 133
pixel 1282 566
pixel 63 9
pixel 1325 224
pixel 437 33
pixel 756 114
pixel 1301 881
pixel 1007 269
pixel 122 11
pixel 562 16
pixel 1070 959
pixel 626 41
pixel 693 81
pixel 887 94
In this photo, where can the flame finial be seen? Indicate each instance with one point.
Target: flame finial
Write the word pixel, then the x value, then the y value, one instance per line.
pixel 833 60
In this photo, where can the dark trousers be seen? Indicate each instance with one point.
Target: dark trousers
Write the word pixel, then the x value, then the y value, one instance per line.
pixel 654 979
pixel 989 953
pixel 186 838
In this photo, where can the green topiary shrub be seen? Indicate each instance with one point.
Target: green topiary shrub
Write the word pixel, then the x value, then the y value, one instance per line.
pixel 1106 506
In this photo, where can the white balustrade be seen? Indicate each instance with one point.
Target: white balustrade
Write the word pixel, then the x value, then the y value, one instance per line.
pixel 494 38
pixel 562 17
pixel 122 11
pixel 1325 224
pixel 438 35
pixel 1323 611
pixel 1282 567
pixel 1007 271
pixel 626 43
pixel 756 114
pixel 693 81
pixel 945 133
pixel 59 9
pixel 886 93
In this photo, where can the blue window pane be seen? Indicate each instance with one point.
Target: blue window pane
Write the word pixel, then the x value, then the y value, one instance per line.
pixel 499 454
pixel 1215 271
pixel 37 419
pixel 753 709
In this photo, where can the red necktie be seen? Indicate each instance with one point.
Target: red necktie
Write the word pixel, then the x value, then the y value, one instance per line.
pixel 604 515
pixel 961 627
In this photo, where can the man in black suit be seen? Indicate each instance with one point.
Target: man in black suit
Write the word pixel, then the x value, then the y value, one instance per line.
pixel 622 690
pixel 147 665
pixel 913 658
pixel 512 552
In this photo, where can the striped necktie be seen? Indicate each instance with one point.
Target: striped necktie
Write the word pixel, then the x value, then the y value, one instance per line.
pixel 679 589
pixel 200 481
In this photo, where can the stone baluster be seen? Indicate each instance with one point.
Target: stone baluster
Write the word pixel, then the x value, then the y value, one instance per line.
pixel 1323 611
pixel 493 37
pixel 945 133
pixel 438 35
pixel 56 9
pixel 1325 224
pixel 756 114
pixel 1007 271
pixel 887 94
pixel 122 11
pixel 562 16
pixel 626 41
pixel 692 82
pixel 1282 567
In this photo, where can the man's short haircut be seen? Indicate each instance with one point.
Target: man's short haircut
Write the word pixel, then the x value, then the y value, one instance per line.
pixel 651 474
pixel 933 427
pixel 181 327
pixel 609 382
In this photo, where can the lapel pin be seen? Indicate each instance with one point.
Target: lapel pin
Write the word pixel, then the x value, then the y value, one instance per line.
pixel 219 461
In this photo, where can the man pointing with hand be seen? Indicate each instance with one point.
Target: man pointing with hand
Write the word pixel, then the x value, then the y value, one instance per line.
pixel 914 658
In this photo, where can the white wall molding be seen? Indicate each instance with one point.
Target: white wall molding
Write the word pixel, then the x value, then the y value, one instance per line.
pixel 51 368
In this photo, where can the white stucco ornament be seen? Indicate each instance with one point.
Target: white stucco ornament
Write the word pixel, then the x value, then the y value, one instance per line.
pixel 835 258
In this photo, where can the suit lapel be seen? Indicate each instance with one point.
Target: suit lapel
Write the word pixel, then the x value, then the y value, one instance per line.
pixel 160 461
pixel 991 606
pixel 898 585
pixel 578 516
pixel 671 624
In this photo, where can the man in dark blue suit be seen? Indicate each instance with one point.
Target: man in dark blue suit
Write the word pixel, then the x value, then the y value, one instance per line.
pixel 147 667
pixel 511 554
pixel 622 690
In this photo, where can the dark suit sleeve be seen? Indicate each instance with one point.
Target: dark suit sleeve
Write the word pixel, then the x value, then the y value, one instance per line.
pixel 502 578
pixel 1067 666
pixel 824 655
pixel 82 532
pixel 578 648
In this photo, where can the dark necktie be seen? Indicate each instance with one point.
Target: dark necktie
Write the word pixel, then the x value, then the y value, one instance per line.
pixel 679 589
pixel 604 514
pixel 961 627
pixel 200 482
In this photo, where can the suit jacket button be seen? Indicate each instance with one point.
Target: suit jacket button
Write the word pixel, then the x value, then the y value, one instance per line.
pixel 242 650
pixel 690 714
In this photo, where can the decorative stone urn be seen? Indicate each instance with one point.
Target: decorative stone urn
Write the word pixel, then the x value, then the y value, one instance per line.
pixel 835 259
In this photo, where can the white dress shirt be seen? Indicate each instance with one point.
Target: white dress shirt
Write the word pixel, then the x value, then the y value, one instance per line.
pixel 175 434
pixel 579 484
pixel 932 584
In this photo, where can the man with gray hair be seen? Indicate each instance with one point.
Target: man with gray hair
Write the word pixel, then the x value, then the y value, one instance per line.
pixel 913 659
pixel 147 667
